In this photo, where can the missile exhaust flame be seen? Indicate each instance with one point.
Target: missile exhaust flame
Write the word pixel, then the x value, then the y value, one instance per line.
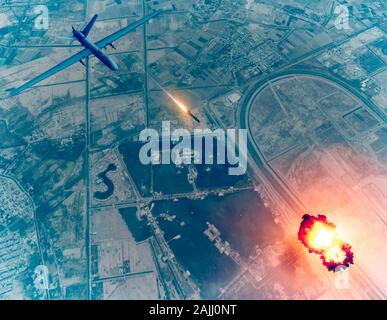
pixel 320 236
pixel 180 105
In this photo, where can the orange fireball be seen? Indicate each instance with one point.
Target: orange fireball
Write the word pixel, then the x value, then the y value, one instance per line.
pixel 320 236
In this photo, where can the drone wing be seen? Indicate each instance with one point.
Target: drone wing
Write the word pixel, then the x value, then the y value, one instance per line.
pixel 59 67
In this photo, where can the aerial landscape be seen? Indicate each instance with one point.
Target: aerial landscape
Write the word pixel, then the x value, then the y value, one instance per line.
pixel 101 195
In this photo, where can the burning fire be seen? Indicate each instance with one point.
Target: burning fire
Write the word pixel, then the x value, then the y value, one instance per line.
pixel 320 236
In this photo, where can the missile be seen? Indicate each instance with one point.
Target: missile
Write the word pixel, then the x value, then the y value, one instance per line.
pixel 193 116
pixel 181 106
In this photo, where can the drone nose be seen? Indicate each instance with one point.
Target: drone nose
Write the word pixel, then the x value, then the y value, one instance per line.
pixel 114 66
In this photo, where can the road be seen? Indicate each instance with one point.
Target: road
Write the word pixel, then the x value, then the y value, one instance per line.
pixel 255 154
pixel 146 96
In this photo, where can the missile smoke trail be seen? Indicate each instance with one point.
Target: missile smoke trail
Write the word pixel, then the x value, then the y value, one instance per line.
pixel 170 96
pixel 177 102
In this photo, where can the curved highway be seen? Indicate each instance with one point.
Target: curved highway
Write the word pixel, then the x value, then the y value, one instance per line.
pixel 244 111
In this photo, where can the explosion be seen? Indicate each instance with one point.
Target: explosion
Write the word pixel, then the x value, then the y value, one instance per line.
pixel 320 236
